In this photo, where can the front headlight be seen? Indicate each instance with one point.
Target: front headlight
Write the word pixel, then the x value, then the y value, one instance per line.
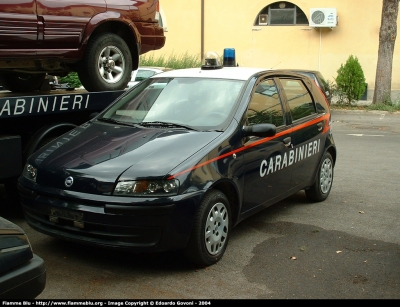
pixel 147 188
pixel 29 172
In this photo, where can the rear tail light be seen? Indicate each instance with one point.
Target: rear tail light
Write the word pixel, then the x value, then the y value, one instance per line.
pixel 158 10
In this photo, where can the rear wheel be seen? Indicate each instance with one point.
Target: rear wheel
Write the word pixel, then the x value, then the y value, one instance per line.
pixel 20 82
pixel 107 64
pixel 321 188
pixel 211 230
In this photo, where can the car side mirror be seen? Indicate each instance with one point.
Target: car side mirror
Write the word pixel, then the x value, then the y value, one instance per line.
pixel 263 130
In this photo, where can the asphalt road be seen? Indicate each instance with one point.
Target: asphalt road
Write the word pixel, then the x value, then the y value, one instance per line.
pixel 347 247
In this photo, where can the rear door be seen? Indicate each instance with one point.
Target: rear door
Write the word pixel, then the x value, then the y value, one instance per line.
pixel 18 28
pixel 308 125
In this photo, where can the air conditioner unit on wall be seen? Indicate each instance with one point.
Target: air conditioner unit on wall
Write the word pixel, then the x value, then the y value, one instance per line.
pixel 323 17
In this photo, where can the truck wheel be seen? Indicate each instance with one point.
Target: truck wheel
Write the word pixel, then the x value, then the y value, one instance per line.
pixel 19 82
pixel 107 64
pixel 321 188
pixel 211 230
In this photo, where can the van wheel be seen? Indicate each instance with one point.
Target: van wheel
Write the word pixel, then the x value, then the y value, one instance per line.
pixel 321 188
pixel 20 82
pixel 107 64
pixel 211 230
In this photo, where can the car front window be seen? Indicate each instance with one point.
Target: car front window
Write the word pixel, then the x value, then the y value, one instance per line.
pixel 193 102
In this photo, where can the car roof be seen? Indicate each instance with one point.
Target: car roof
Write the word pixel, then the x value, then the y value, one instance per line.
pixel 315 73
pixel 235 73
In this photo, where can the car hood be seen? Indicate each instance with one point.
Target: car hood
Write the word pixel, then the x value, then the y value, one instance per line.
pixel 97 154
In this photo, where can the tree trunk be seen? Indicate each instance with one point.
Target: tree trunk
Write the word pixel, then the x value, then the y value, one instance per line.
pixel 387 39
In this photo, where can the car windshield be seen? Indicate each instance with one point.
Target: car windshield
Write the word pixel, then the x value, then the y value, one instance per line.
pixel 198 103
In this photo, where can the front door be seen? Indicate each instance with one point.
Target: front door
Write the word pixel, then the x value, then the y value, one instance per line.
pixel 267 161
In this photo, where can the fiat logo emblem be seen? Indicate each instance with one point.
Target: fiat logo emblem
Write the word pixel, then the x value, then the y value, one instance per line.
pixel 69 182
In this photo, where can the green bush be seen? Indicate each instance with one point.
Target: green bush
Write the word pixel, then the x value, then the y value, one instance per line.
pixel 72 79
pixel 350 81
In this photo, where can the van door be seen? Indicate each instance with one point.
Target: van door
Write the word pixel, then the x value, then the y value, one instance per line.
pixel 18 28
pixel 62 22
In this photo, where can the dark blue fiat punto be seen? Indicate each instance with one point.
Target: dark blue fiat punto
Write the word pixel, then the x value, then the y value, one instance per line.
pixel 181 158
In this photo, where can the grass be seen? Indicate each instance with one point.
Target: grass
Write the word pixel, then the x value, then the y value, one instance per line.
pixel 382 106
pixel 390 107
pixel 175 61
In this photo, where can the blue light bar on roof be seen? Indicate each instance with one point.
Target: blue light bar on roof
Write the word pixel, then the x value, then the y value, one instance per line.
pixel 229 57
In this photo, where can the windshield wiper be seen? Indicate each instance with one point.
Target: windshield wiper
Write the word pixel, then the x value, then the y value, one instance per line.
pixel 166 124
pixel 111 120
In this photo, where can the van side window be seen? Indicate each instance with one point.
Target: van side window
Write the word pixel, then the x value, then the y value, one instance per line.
pixel 299 99
pixel 265 105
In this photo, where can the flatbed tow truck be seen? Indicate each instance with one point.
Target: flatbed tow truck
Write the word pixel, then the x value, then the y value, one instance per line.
pixel 30 120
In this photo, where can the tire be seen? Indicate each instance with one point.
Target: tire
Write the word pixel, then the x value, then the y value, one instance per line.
pixel 106 65
pixel 211 231
pixel 20 82
pixel 321 188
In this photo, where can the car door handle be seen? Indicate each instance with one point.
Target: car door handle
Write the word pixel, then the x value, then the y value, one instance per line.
pixel 287 141
pixel 320 126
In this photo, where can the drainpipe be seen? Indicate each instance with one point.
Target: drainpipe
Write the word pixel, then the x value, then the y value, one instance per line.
pixel 202 30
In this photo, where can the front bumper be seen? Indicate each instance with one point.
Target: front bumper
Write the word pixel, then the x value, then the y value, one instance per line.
pixel 24 282
pixel 134 224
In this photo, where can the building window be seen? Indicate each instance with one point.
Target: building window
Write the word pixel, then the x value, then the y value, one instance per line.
pixel 281 13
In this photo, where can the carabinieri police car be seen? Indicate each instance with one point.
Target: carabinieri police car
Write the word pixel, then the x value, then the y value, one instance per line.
pixel 181 158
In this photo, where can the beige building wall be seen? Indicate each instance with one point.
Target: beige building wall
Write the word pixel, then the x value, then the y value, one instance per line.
pixel 230 24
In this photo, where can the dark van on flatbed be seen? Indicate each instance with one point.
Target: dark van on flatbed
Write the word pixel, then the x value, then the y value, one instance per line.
pixel 101 40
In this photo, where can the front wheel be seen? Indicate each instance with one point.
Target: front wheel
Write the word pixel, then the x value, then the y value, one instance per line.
pixel 321 188
pixel 211 230
pixel 107 64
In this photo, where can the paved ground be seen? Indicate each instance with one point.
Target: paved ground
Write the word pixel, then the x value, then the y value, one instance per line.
pixel 347 247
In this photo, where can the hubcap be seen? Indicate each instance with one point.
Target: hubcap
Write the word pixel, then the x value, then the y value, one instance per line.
pixel 216 230
pixel 111 64
pixel 326 175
